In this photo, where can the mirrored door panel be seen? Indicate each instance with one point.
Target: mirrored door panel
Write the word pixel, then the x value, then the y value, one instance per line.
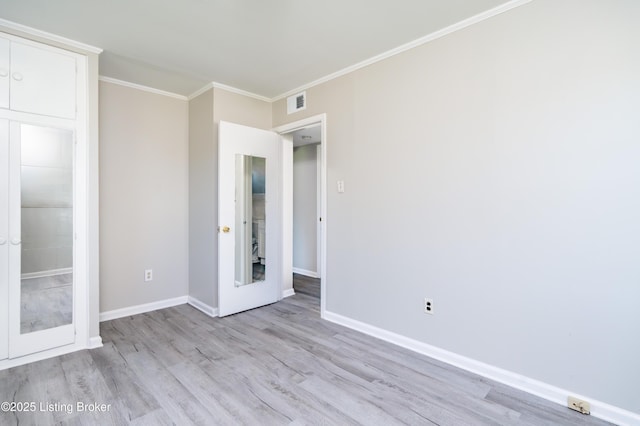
pixel 46 228
pixel 250 220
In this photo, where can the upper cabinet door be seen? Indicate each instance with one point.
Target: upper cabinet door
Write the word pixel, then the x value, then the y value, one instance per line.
pixel 4 72
pixel 43 81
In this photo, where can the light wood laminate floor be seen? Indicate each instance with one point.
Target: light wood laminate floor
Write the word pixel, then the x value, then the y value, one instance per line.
pixel 277 365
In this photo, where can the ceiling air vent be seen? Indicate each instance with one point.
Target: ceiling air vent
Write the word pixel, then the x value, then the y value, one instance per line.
pixel 297 102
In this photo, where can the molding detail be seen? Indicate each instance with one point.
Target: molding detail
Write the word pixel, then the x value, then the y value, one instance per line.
pixel 231 89
pixel 200 91
pixel 49 273
pixel 203 307
pixel 141 309
pixel 288 293
pixel 304 272
pixel 403 48
pixel 95 342
pixel 52 37
pixel 543 390
pixel 141 87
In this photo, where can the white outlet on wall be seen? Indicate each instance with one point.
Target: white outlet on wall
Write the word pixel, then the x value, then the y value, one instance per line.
pixel 428 306
pixel 148 274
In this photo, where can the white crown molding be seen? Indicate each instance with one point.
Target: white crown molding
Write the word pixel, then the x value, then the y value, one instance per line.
pixel 143 88
pixel 535 387
pixel 228 89
pixel 39 33
pixel 200 91
pixel 412 44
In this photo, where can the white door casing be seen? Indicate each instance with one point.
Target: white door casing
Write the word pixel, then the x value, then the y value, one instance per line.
pixel 4 239
pixel 233 140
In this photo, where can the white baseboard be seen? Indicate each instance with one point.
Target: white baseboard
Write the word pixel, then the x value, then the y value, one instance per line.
pixel 288 293
pixel 549 392
pixel 95 342
pixel 305 272
pixel 203 307
pixel 140 309
pixel 49 273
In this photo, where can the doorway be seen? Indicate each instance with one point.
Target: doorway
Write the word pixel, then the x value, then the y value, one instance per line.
pixel 306 134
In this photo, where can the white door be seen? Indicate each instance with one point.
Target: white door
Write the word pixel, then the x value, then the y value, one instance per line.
pixel 41 238
pixel 249 180
pixel 4 237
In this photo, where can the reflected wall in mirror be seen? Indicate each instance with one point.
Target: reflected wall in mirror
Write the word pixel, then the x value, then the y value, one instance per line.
pixel 46 173
pixel 250 241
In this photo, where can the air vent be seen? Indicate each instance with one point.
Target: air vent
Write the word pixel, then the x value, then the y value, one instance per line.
pixel 296 103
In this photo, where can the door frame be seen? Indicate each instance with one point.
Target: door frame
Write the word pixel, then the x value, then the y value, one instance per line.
pixel 287 203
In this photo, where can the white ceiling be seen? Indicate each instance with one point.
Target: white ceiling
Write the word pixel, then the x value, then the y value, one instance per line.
pixel 266 47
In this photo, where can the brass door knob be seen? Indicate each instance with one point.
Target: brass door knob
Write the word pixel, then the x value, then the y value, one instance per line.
pixel 226 229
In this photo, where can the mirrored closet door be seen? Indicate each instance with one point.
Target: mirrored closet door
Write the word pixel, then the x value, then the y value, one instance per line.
pixel 40 238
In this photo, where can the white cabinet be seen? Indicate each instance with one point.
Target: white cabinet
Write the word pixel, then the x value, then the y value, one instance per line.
pixel 39 79
pixel 5 48
pixel 43 200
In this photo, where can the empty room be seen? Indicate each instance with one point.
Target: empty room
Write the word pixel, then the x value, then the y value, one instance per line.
pixel 292 212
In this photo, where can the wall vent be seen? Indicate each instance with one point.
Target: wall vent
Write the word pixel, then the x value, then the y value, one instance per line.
pixel 297 102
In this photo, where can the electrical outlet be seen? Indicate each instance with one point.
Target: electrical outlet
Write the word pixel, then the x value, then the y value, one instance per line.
pixel 148 275
pixel 428 306
pixel 579 405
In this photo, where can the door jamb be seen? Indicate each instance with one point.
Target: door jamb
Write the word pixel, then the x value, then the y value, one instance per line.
pixel 287 205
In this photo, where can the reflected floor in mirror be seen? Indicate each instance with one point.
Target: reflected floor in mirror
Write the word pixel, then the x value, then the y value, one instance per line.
pixel 46 302
pixel 276 365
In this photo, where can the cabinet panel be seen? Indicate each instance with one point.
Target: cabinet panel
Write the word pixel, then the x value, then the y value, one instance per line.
pixel 4 243
pixel 42 81
pixel 4 72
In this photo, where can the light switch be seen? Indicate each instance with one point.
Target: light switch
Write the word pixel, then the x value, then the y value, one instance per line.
pixel 340 186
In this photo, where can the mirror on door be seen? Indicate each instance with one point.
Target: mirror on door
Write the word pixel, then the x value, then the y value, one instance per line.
pixel 46 193
pixel 250 241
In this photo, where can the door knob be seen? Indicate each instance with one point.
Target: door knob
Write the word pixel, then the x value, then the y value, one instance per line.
pixel 16 241
pixel 3 241
pixel 225 229
pixel 17 76
pixel 4 72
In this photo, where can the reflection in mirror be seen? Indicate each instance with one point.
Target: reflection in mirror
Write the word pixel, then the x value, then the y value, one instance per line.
pixel 46 172
pixel 250 241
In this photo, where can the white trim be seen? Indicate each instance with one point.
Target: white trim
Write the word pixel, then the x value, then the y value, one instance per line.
pixel 52 37
pixel 141 87
pixel 288 293
pixel 403 48
pixel 95 342
pixel 200 91
pixel 49 273
pixel 320 119
pixel 141 309
pixel 202 307
pixel 39 356
pixel 535 387
pixel 228 89
pixel 240 92
pixel 305 272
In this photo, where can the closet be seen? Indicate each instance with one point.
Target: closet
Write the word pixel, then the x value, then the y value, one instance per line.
pixel 42 197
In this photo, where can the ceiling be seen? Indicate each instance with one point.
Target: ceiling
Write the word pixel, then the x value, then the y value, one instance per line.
pixel 266 47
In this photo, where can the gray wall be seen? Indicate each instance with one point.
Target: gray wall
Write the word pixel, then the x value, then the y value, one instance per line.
pixel 203 178
pixel 203 193
pixel 305 192
pixel 143 196
pixel 496 171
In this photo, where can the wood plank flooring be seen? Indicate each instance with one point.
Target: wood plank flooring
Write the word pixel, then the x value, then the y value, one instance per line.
pixel 277 365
